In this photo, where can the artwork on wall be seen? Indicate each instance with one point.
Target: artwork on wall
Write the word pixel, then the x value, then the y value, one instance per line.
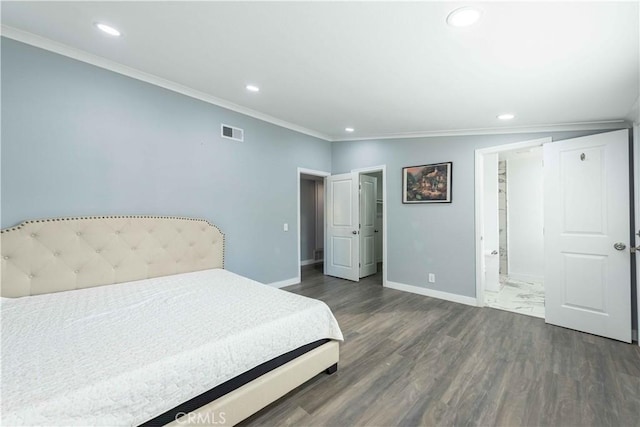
pixel 427 183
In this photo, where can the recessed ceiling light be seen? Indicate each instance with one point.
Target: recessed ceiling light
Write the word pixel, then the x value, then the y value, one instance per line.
pixel 463 17
pixel 506 116
pixel 349 129
pixel 252 88
pixel 108 29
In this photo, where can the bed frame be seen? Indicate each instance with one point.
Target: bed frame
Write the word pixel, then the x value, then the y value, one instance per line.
pixel 53 255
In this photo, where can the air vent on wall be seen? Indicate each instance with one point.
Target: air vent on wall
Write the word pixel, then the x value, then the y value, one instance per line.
pixel 230 132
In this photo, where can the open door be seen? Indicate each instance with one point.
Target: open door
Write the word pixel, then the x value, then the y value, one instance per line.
pixel 586 234
pixel 491 223
pixel 368 196
pixel 342 249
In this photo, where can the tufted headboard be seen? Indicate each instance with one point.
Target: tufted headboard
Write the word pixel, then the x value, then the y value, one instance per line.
pixel 52 255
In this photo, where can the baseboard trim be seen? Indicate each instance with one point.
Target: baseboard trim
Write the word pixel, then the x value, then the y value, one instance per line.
pixel 310 261
pixel 283 283
pixel 461 299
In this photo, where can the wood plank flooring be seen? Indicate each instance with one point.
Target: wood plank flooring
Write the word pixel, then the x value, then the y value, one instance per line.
pixel 410 360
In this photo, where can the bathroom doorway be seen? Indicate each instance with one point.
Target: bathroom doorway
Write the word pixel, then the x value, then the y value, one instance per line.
pixel 514 256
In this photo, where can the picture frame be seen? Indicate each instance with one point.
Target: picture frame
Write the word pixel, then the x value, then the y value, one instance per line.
pixel 427 183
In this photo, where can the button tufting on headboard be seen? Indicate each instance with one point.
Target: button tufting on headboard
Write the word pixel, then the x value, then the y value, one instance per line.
pixel 44 256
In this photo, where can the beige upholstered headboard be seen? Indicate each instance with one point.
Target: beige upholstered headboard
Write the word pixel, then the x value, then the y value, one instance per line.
pixel 52 255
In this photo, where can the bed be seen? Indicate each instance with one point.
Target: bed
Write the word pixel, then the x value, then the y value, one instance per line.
pixel 133 320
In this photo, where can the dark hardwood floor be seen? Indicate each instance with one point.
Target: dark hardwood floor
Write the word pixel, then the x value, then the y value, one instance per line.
pixel 410 360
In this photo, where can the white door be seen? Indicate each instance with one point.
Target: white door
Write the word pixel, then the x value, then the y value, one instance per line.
pixel 491 223
pixel 368 196
pixel 586 224
pixel 342 253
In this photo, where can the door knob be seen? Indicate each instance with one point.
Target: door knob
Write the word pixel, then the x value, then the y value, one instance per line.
pixel 354 232
pixel 619 246
pixel 375 231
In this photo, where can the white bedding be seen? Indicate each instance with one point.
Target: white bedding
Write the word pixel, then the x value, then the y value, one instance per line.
pixel 125 353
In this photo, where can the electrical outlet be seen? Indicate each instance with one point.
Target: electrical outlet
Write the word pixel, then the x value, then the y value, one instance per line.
pixel 432 278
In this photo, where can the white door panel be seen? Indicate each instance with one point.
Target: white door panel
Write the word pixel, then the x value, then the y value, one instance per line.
pixel 491 223
pixel 588 281
pixel 342 207
pixel 587 290
pixel 368 196
pixel 342 215
pixel 342 248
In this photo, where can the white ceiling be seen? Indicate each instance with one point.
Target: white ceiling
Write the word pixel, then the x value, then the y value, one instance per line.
pixel 384 68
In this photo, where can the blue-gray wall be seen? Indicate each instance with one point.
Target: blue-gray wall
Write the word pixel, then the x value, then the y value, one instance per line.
pixel 81 140
pixel 430 238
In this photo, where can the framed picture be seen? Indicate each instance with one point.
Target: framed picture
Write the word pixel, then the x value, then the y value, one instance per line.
pixel 427 183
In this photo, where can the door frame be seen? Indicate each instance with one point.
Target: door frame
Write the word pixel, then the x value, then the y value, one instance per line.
pixel 479 199
pixel 635 334
pixel 312 172
pixel 383 169
pixel 380 168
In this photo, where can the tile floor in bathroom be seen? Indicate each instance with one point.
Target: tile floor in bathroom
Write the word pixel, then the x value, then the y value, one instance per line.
pixel 518 297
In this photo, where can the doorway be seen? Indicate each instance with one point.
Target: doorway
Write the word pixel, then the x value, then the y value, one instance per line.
pixel 355 230
pixel 493 212
pixel 586 234
pixel 311 219
pixel 513 231
pixel 311 224
pixel 371 223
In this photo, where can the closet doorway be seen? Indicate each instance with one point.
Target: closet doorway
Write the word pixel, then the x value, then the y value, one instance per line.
pixel 355 231
pixel 354 219
pixel 371 223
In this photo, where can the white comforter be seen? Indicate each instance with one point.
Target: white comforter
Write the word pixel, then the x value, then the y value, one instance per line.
pixel 122 354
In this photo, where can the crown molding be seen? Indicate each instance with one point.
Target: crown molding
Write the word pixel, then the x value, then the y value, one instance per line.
pixel 98 61
pixel 560 127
